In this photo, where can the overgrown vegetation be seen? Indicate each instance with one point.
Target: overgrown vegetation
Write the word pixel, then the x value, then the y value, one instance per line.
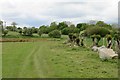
pixel 98 28
pixel 55 34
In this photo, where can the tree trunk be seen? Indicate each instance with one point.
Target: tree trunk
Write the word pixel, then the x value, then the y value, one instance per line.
pixel 118 48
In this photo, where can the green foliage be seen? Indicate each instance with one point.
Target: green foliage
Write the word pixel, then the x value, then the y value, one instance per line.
pixel 102 24
pixel 77 41
pixel 68 30
pixel 55 34
pixel 39 33
pixel 70 35
pixel 109 37
pixel 82 26
pixel 97 31
pixel 97 38
pixel 5 32
pixel 10 28
pixel 27 32
pixel 74 36
pixel 34 30
pixel 53 26
pixel 93 37
pixel 44 29
pixel 62 25
pixel 116 37
pixel 79 25
pixel 20 31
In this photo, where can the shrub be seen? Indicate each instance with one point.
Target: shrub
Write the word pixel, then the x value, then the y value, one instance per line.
pixel 116 37
pixel 27 32
pixel 54 34
pixel 109 37
pixel 97 31
pixel 97 38
pixel 20 31
pixel 39 33
pixel 68 30
pixel 78 41
pixel 5 32
pixel 70 35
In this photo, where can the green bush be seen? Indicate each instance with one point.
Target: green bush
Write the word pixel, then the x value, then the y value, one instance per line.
pixel 109 37
pixel 97 31
pixel 54 34
pixel 70 35
pixel 68 30
pixel 27 32
pixel 5 32
pixel 39 33
pixel 96 37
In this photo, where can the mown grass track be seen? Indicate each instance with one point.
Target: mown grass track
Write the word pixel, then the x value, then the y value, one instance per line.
pixel 48 59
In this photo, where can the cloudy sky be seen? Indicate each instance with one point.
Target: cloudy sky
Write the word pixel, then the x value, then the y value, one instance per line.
pixel 43 12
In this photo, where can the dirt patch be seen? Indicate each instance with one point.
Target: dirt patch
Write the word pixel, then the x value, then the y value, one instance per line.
pixel 22 39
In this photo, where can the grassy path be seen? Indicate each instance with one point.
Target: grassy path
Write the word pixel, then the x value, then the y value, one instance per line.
pixel 31 61
pixel 46 59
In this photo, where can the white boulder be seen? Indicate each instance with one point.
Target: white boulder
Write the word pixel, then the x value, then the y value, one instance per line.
pixel 95 48
pixel 105 53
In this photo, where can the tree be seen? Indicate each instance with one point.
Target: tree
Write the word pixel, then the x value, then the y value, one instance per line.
pixel 68 30
pixel 96 39
pixel 5 32
pixel 10 28
pixel 102 24
pixel 24 31
pixel 39 33
pixel 55 34
pixel 19 30
pixel 97 31
pixel 35 30
pixel 14 25
pixel 53 26
pixel 70 35
pixel 1 25
pixel 62 25
pixel 79 26
pixel 29 32
pixel 72 26
pixel 44 29
pixel 82 26
pixel 77 41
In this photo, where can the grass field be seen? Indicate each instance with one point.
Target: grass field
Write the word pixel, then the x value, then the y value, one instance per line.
pixel 52 59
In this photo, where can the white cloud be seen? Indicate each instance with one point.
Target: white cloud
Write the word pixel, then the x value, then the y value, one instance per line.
pixel 39 12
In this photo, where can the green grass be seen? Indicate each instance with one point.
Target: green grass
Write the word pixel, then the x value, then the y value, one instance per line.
pixel 0 60
pixel 51 58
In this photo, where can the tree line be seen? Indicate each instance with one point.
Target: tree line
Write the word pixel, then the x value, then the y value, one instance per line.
pixel 99 28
